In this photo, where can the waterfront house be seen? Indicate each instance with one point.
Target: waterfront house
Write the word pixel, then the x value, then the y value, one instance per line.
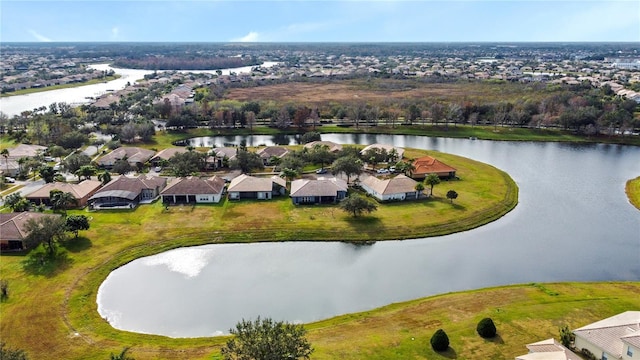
pixel 251 187
pixel 616 337
pixel 318 191
pixel 135 156
pixel 400 188
pixel 81 192
pixel 426 165
pixel 548 349
pixel 193 190
pixel 12 229
pixel 269 152
pixel 128 192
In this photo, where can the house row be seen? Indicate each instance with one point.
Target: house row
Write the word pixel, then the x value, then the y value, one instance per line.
pixel 616 337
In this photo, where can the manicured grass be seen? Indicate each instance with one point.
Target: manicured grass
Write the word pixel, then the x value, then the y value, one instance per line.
pixel 62 86
pixel 54 305
pixel 633 192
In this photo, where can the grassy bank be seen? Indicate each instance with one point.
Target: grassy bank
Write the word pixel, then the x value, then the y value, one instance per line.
pixel 164 139
pixel 61 86
pixel 633 191
pixel 58 305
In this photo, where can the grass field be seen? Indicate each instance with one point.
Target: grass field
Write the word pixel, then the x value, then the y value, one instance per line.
pixel 62 86
pixel 633 192
pixel 54 303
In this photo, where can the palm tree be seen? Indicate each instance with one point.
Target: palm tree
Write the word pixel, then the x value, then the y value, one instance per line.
pixel 5 155
pixel 62 200
pixel 289 174
pixel 105 177
pixel 432 180
pixel 86 171
pixel 419 188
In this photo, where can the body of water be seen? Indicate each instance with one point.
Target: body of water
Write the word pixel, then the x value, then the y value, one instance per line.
pixel 14 105
pixel 573 223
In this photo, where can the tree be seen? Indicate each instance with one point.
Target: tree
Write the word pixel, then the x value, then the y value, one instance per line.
pixel 419 187
pixel 187 163
pixel 47 230
pixel 310 137
pixel 452 195
pixel 85 171
pixel 5 155
pixel 357 205
pixel 266 339
pixel 105 177
pixel 432 180
pixel 74 162
pixel 61 200
pixel 320 154
pixel 122 166
pixel 75 223
pixel 121 356
pixel 405 167
pixel 246 161
pixel 567 337
pixel 47 173
pixel 349 165
pixel 440 340
pixel 12 354
pixel 16 202
pixel 289 174
pixel 486 328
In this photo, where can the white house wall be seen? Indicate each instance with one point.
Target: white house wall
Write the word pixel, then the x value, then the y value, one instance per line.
pixel 581 343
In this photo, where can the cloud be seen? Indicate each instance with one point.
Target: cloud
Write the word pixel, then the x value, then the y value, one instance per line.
pixel 252 36
pixel 115 31
pixel 38 36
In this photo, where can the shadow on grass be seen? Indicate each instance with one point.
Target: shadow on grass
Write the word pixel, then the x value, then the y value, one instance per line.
pixel 78 244
pixel 450 353
pixel 496 339
pixel 38 262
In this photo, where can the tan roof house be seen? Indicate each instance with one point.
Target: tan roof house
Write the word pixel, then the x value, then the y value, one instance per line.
pixel 12 229
pixel 426 165
pixel 128 192
pixel 266 153
pixel 190 190
pixel 400 188
pixel 399 152
pixel 616 337
pixel 135 157
pixel 166 154
pixel 81 192
pixel 251 187
pixel 318 191
pixel 548 349
pixel 26 150
pixel 333 147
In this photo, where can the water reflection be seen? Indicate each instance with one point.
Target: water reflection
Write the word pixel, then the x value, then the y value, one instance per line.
pixel 573 223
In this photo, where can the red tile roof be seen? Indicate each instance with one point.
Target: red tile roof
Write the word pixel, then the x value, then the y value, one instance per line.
pixel 429 165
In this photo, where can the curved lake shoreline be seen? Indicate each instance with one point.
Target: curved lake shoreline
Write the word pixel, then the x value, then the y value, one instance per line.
pixel 551 240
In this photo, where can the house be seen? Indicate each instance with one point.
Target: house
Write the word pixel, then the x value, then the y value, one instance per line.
pixel 12 229
pixel 548 349
pixel 319 191
pixel 135 157
pixel 81 192
pixel 26 150
pixel 166 154
pixel 389 149
pixel 426 165
pixel 616 337
pixel 400 187
pixel 128 192
pixel 10 167
pixel 193 190
pixel 269 152
pixel 250 187
pixel 333 147
pixel 223 155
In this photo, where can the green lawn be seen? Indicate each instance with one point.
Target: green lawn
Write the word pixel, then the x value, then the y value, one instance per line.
pixel 633 192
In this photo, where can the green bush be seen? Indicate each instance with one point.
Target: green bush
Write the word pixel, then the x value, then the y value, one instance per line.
pixel 440 341
pixel 486 328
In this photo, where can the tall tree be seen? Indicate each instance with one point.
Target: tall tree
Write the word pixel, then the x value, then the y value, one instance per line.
pixel 75 223
pixel 289 174
pixel 432 180
pixel 61 200
pixel 47 173
pixel 266 339
pixel 105 177
pixel 85 171
pixel 16 202
pixel 74 162
pixel 348 165
pixel 357 205
pixel 48 230
pixel 5 155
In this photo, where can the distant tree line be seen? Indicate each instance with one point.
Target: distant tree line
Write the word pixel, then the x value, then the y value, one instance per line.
pixel 182 63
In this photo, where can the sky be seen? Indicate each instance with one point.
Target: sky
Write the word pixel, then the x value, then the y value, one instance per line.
pixel 319 21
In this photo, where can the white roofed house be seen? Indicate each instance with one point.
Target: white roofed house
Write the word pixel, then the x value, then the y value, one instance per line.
pixel 269 152
pixel 616 337
pixel 251 187
pixel 135 156
pixel 400 188
pixel 548 349
pixel 320 191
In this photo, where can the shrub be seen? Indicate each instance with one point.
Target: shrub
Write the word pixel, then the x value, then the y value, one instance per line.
pixel 440 341
pixel 4 290
pixel 486 328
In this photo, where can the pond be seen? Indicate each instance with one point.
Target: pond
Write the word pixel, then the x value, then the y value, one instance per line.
pixel 573 223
